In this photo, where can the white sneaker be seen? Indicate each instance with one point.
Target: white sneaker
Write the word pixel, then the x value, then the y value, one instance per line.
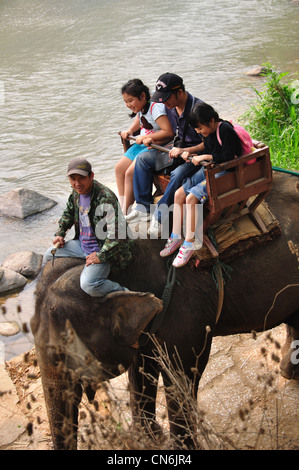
pixel 183 256
pixel 140 215
pixel 155 228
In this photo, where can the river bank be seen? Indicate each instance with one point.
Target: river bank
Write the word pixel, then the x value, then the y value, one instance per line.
pixel 245 402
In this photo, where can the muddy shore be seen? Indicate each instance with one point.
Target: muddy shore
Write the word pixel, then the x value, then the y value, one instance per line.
pixel 245 402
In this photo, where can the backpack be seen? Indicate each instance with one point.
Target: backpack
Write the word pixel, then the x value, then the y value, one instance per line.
pixel 246 141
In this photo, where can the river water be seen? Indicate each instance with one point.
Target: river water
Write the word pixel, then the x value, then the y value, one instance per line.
pixel 63 64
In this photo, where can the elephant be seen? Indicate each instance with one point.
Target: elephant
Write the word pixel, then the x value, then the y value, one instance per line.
pixel 262 292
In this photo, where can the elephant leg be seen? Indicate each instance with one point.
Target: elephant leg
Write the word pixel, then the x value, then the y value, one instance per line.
pixel 143 378
pixel 62 397
pixel 289 366
pixel 181 380
pixel 181 393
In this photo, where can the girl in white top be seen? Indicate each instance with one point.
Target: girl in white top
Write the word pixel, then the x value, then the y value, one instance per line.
pixel 151 120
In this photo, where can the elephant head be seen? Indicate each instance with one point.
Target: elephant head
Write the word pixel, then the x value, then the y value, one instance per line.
pixel 69 323
pixel 107 349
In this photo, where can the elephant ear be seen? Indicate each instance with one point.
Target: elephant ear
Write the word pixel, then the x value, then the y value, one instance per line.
pixel 130 314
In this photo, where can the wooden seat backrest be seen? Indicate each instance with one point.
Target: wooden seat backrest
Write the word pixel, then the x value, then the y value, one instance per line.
pixel 246 183
pixel 241 181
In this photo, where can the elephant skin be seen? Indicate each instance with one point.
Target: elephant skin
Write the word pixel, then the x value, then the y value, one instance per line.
pixel 262 293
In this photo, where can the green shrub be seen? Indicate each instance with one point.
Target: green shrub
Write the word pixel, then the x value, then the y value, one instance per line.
pixel 274 119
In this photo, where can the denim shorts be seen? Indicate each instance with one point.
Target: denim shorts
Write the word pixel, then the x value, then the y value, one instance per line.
pixel 197 185
pixel 135 150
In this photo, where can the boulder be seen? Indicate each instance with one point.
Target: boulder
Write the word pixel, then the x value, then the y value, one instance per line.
pixel 9 328
pixel 10 280
pixel 257 71
pixel 27 263
pixel 24 202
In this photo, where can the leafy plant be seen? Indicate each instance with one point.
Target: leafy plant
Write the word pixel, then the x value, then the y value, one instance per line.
pixel 274 118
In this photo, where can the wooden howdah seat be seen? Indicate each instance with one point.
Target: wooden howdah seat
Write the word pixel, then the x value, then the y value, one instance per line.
pixel 244 186
pixel 240 191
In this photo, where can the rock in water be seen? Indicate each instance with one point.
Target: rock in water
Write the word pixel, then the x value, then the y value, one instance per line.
pixel 24 202
pixel 9 328
pixel 257 71
pixel 10 280
pixel 26 263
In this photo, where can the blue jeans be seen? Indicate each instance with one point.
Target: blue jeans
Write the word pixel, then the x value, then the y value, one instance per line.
pixel 93 279
pixel 143 180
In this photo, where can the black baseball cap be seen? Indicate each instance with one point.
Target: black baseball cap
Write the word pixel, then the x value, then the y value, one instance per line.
pixel 79 166
pixel 166 84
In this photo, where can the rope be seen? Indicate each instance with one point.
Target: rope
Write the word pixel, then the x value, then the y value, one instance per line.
pixel 219 270
pixel 225 270
pixel 282 170
pixel 220 286
pixel 218 278
pixel 166 296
